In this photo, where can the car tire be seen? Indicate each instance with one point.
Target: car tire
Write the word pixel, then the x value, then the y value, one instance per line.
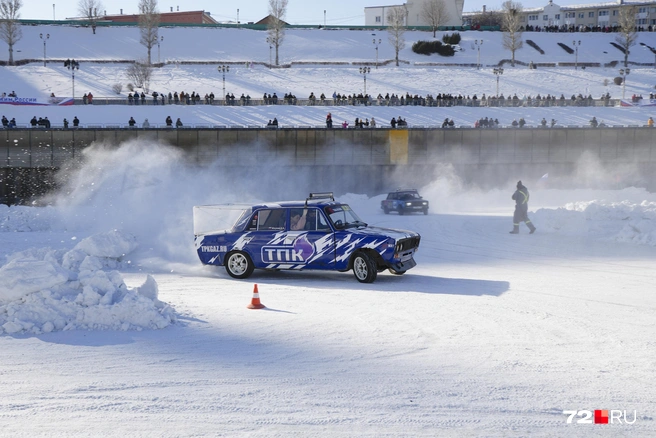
pixel 364 268
pixel 400 212
pixel 239 265
pixel 425 211
pixel 385 210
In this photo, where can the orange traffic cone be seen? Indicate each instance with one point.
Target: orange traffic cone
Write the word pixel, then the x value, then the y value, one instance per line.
pixel 255 302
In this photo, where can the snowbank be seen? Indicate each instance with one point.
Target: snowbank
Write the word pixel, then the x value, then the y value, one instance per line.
pixel 44 290
pixel 623 221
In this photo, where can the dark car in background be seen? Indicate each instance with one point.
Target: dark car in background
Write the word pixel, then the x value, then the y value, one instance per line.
pixel 404 201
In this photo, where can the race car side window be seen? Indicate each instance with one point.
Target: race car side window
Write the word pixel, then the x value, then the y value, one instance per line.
pixel 322 222
pixel 274 219
pixel 252 224
pixel 316 221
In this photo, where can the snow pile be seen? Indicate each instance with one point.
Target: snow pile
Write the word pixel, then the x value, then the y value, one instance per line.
pixel 43 290
pixel 623 221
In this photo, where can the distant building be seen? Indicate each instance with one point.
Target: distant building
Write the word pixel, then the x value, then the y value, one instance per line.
pixel 377 15
pixel 268 19
pixel 189 17
pixel 604 14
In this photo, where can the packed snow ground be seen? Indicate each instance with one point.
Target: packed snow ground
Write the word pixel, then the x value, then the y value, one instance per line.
pixel 490 335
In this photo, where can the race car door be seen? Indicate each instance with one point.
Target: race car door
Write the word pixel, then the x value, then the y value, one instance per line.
pixel 316 238
pixel 275 245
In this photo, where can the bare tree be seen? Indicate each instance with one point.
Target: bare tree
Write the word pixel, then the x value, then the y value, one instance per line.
pixel 140 73
pixel 512 27
pixel 435 13
pixel 276 28
pixel 396 28
pixel 10 28
pixel 627 35
pixel 91 10
pixel 148 24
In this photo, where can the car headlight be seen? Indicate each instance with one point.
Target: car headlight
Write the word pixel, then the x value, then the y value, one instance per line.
pixel 408 204
pixel 425 203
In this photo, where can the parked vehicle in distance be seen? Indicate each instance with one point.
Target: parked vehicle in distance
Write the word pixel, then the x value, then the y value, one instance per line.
pixel 318 233
pixel 404 201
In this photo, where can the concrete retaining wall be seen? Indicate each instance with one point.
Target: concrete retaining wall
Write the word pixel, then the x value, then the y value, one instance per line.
pixel 28 157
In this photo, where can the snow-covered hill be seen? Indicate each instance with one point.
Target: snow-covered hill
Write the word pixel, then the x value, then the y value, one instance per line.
pixel 337 55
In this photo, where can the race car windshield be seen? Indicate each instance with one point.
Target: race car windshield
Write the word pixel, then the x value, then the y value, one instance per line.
pixel 410 195
pixel 343 217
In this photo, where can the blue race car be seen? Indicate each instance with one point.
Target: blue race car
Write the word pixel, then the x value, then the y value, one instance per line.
pixel 318 233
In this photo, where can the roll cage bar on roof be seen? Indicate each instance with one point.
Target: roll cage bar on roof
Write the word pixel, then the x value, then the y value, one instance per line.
pixel 318 196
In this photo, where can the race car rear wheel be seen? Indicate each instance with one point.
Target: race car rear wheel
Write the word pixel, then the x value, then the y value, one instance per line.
pixel 239 265
pixel 385 210
pixel 364 268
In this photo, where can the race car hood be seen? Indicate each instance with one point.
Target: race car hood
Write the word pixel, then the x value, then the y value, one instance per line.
pixel 379 231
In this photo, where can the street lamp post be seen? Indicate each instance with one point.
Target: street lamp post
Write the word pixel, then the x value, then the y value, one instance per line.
pixel 364 71
pixel 498 72
pixel 44 38
pixel 624 72
pixel 72 65
pixel 161 38
pixel 478 44
pixel 377 43
pixel 224 69
pixel 576 59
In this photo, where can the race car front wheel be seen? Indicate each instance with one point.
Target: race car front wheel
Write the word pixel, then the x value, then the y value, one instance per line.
pixel 239 265
pixel 364 268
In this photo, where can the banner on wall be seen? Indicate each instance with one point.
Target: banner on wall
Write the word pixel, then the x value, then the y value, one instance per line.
pixel 641 102
pixel 36 101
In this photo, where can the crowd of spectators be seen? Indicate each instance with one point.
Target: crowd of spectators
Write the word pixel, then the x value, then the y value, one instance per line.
pixel 395 122
pixel 581 28
pixel 637 98
pixel 389 99
pixel 8 124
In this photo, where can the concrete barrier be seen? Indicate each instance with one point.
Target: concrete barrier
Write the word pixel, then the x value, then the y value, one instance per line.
pixel 378 154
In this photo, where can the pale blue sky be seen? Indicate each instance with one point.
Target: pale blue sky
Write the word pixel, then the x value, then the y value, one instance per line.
pixel 338 12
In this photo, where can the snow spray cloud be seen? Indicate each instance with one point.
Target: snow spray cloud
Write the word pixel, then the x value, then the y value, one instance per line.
pixel 591 172
pixel 149 190
pixel 141 188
